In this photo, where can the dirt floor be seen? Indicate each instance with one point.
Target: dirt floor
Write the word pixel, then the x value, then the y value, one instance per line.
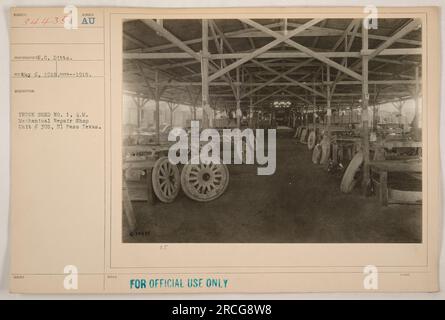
pixel 300 203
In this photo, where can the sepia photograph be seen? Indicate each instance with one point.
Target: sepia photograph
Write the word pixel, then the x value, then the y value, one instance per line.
pixel 272 130
pixel 200 151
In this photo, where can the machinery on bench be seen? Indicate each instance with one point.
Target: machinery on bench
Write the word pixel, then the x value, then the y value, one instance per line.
pixel 337 143
pixel 395 156
pixel 394 153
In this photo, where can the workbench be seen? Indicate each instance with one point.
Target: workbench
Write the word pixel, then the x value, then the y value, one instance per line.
pixel 382 168
pixel 345 146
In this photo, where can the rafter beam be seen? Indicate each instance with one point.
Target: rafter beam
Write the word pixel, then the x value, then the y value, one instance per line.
pixel 252 44
pixel 138 42
pixel 212 26
pixel 293 94
pixel 289 79
pixel 248 33
pixel 226 42
pixel 263 49
pixel 197 40
pixel 179 43
pixel 304 49
pixel 173 39
pixel 269 96
pixel 293 83
pixel 270 55
pixel 355 24
pixel 276 78
pixel 338 94
pixel 176 65
pixel 401 33
pixel 222 36
pixel 147 82
pixel 368 52
pixel 374 36
pixel 399 62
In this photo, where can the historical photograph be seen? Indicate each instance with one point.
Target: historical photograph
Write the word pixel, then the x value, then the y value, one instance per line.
pixel 272 130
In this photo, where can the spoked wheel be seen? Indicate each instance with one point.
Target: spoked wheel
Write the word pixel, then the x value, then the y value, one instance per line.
pixel 325 150
pixel 204 182
pixel 166 180
pixel 349 177
pixel 316 154
pixel 311 140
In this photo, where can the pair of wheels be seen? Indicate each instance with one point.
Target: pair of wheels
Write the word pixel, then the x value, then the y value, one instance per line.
pixel 311 140
pixel 200 182
pixel 321 151
pixel 350 177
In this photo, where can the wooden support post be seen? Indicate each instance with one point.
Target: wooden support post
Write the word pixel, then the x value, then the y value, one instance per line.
pixel 138 102
pixel 192 111
pixel 151 197
pixel 251 112
pixel 365 117
pixel 172 107
pixel 250 105
pixel 144 112
pixel 127 206
pixel 375 110
pixel 415 124
pixel 416 99
pixel 315 106
pixel 383 194
pixel 238 113
pixel 328 102
pixel 139 112
pixel 157 113
pixel 205 74
pixel 193 102
pixel 238 101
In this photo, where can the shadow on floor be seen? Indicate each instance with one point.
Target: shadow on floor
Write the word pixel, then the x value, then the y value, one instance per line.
pixel 300 203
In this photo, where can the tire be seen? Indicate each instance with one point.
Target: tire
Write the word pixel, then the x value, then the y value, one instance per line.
pixel 311 140
pixel 316 154
pixel 204 182
pixel 165 180
pixel 298 133
pixel 303 135
pixel 325 150
pixel 348 181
